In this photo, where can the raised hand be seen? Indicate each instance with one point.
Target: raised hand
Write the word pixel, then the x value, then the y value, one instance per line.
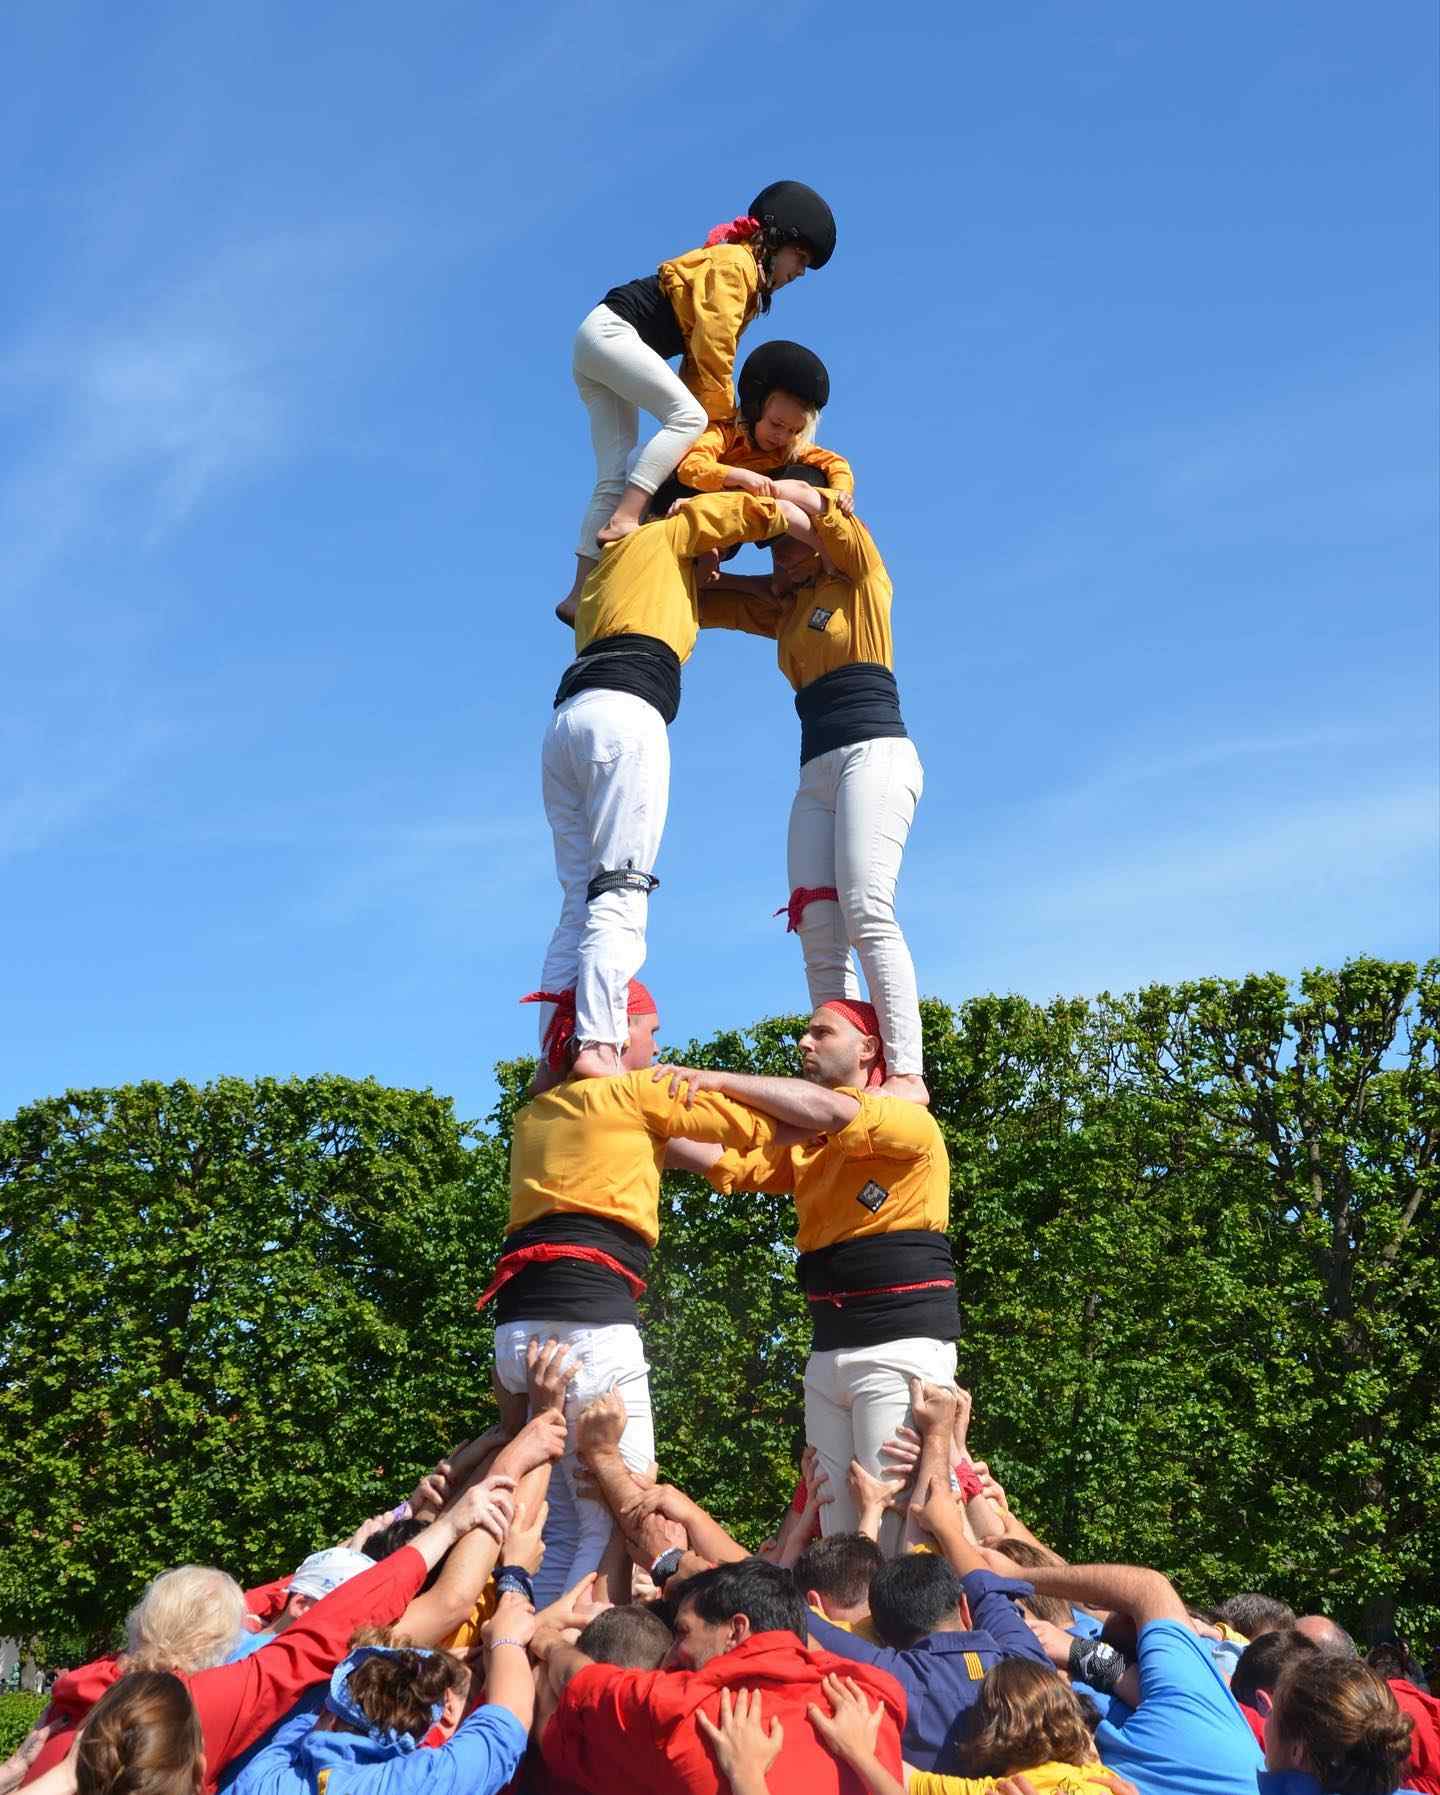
pixel 600 1425
pixel 513 1620
pixel 523 1543
pixel 933 1405
pixel 574 1611
pixel 901 1451
pixel 539 1442
pixel 687 1080
pixel 549 1372
pixel 489 1504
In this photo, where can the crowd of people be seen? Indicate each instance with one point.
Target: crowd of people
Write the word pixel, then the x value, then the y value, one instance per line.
pixel 542 1613
pixel 965 1656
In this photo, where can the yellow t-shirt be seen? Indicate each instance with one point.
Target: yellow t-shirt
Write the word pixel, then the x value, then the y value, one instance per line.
pixel 1064 1779
pixel 892 1152
pixel 862 1629
pixel 729 444
pixel 714 293
pixel 836 620
pixel 595 1146
pixel 644 584
pixel 468 1632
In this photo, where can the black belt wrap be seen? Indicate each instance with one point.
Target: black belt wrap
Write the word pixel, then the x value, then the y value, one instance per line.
pixel 643 665
pixel 877 1262
pixel 573 1289
pixel 850 704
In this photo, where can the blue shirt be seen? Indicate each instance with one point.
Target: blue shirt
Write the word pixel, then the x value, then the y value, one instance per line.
pixel 942 1673
pixel 479 1758
pixel 1188 1736
pixel 1298 1782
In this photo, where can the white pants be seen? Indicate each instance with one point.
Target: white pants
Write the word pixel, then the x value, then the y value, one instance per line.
pixel 619 375
pixel 605 775
pixel 855 1400
pixel 848 827
pixel 577 1530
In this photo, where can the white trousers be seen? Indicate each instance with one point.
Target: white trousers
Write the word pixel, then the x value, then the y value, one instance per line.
pixel 848 827
pixel 605 776
pixel 619 375
pixel 577 1529
pixel 856 1399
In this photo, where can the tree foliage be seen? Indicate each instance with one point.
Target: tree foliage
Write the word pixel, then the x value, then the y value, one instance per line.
pixel 1196 1232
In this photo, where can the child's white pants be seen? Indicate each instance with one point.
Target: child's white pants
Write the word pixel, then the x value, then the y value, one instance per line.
pixel 619 375
pixel 605 776
pixel 848 827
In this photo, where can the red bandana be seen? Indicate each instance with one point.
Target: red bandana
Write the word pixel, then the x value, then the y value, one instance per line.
pixel 862 1016
pixel 562 1023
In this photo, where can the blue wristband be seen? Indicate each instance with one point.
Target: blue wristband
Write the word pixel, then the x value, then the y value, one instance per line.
pixel 514 1579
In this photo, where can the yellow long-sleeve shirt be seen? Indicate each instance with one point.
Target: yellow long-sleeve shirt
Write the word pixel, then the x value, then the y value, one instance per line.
pixel 838 619
pixel 729 444
pixel 1062 1779
pixel 885 1170
pixel 595 1146
pixel 644 584
pixel 714 294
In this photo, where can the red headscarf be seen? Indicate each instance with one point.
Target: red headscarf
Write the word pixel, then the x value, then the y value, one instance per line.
pixel 738 230
pixel 562 1023
pixel 862 1016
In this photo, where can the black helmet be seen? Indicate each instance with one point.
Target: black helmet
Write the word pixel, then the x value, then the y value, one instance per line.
pixel 797 213
pixel 781 367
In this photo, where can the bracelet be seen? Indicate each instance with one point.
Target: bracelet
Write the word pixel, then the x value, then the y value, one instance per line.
pixel 495 1643
pixel 666 1565
pixel 1092 1661
pixel 401 1511
pixel 514 1579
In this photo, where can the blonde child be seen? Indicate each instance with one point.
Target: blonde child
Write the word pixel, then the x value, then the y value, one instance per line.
pixel 694 306
pixel 783 389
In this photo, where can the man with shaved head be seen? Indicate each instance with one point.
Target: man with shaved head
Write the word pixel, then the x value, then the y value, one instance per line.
pixel 1329 1635
pixel 871 1183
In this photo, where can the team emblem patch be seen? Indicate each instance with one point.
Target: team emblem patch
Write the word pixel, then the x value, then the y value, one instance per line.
pixel 872 1195
pixel 819 618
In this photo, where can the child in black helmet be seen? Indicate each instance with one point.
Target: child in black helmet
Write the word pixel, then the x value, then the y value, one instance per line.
pixel 694 306
pixel 783 389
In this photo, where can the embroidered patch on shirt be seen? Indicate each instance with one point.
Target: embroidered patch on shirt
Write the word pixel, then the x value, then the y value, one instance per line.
pixel 819 618
pixel 974 1667
pixel 872 1195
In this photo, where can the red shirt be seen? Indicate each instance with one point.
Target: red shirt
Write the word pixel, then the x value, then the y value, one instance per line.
pixel 634 1730
pixel 1423 1770
pixel 238 1702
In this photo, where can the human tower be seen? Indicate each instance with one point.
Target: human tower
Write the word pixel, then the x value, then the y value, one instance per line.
pixel 733 461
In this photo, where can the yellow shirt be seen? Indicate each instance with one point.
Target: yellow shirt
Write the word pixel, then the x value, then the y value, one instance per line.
pixel 714 294
pixel 838 619
pixel 729 444
pixel 644 584
pixel 891 1145
pixel 1065 1779
pixel 862 1629
pixel 595 1146
pixel 468 1632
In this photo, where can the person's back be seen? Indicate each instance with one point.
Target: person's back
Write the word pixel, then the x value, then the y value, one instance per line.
pixel 740 1626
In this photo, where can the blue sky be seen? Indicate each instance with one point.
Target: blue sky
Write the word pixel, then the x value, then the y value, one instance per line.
pixel 1131 330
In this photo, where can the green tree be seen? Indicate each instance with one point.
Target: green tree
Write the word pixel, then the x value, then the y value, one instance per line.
pixel 232 1322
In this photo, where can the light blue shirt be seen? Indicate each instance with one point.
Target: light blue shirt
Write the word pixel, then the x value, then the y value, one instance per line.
pixel 1188 1736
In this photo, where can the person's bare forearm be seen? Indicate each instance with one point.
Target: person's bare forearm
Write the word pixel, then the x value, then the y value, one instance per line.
pixel 748 585
pixel 434 1615
pixel 683 1155
pixel 613 1583
pixel 618 1488
pixel 1144 1595
pixel 984 1518
pixel 709 1539
pixel 509 1681
pixel 796 1101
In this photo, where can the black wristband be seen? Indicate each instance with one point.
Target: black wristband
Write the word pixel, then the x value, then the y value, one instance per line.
pixel 1092 1661
pixel 514 1579
pixel 666 1565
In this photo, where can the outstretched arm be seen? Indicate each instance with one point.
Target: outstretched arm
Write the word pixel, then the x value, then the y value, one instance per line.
pixel 1144 1595
pixel 812 1108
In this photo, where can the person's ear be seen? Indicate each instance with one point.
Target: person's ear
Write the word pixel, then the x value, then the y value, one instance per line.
pixel 813 1599
pixel 739 1630
pixel 965 1614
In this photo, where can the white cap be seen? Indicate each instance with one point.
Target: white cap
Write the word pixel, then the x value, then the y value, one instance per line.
pixel 323 1571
